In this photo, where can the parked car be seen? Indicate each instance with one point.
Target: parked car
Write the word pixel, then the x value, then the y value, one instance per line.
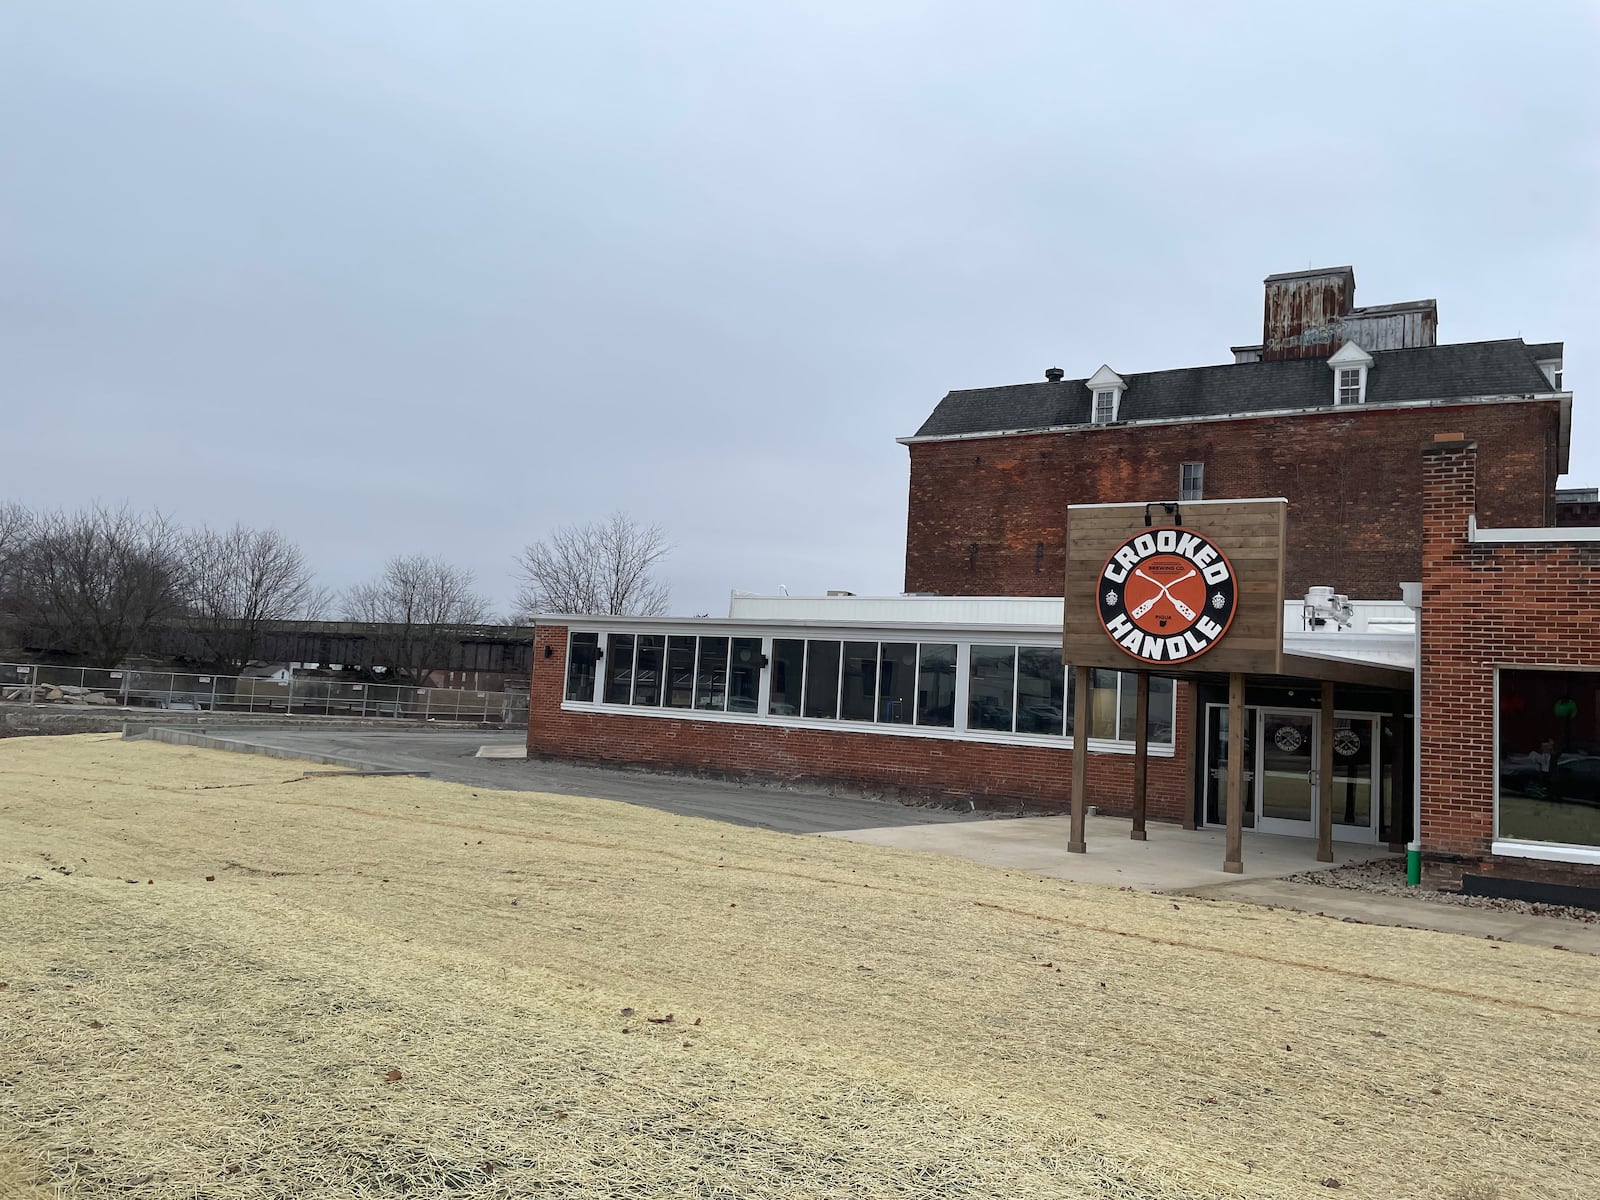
pixel 1575 778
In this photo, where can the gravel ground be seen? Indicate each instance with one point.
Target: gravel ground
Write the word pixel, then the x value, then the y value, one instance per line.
pixel 1388 877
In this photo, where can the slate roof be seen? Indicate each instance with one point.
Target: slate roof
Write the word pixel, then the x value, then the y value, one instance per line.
pixel 1425 373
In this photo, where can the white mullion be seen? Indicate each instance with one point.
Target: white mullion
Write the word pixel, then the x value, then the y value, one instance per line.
pixel 764 680
pixel 963 685
pixel 1016 683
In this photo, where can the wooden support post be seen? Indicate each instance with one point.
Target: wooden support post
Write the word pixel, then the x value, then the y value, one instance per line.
pixel 1141 751
pixel 1081 716
pixel 1325 776
pixel 1186 697
pixel 1233 856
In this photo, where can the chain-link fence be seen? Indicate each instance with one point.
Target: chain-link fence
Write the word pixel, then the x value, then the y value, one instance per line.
pixel 92 687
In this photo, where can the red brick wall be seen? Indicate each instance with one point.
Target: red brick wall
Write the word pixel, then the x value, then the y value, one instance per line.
pixel 1484 606
pixel 986 516
pixel 1036 779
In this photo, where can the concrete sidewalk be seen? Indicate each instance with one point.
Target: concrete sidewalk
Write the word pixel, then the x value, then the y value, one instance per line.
pixel 1172 858
pixel 1189 862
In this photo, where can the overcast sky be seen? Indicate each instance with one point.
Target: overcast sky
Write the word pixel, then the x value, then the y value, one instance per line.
pixel 404 277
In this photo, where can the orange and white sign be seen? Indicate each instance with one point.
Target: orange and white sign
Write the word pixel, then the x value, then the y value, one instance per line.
pixel 1167 595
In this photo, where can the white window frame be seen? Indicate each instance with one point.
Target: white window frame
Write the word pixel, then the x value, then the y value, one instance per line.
pixel 1199 481
pixel 1105 406
pixel 1105 388
pixel 1342 390
pixel 957 732
pixel 1552 371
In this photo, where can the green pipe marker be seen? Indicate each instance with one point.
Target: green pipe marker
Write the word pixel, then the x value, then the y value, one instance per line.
pixel 1413 867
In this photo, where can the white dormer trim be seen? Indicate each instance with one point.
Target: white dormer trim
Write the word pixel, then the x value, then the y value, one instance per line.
pixel 1552 371
pixel 1350 366
pixel 1105 385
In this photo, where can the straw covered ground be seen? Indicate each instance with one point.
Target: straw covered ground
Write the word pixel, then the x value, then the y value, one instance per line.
pixel 396 986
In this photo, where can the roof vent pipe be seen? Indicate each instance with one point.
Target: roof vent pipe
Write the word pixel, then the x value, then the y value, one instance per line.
pixel 1055 374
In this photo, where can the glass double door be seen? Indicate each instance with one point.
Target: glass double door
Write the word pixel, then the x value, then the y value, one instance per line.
pixel 1281 788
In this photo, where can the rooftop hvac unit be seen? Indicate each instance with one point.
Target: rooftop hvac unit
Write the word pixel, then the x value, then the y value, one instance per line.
pixel 1325 609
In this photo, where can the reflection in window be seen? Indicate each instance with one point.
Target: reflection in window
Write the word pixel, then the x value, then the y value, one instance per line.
pixel 1103 703
pixel 651 649
pixel 1128 706
pixel 858 694
pixel 680 672
pixel 711 675
pixel 582 651
pixel 788 671
pixel 991 682
pixel 1158 725
pixel 744 675
pixel 822 679
pixel 619 668
pixel 936 687
pixel 897 682
pixel 1041 690
pixel 1549 757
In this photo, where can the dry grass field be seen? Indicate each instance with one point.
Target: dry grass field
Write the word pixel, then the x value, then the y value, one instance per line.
pixel 220 979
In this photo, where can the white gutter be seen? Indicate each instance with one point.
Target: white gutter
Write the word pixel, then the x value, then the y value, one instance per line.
pixel 1412 594
pixel 1320 409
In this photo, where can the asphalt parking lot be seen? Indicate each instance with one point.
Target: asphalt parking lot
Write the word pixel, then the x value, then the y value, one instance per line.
pixel 451 756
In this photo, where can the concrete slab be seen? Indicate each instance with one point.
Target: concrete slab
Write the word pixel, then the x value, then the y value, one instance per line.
pixel 1409 912
pixel 1172 858
pixel 503 750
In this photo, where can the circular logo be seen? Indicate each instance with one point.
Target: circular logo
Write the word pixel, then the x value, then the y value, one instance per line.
pixel 1346 743
pixel 1167 595
pixel 1288 739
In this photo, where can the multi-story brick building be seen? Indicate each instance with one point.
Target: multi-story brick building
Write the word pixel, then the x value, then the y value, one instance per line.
pixel 1327 412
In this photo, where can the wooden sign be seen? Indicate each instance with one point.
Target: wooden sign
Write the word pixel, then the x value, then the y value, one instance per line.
pixel 1201 597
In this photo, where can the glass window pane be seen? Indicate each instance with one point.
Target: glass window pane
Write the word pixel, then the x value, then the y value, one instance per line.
pixel 1127 709
pixel 1159 724
pixel 680 672
pixel 582 650
pixel 788 670
pixel 822 680
pixel 1041 689
pixel 1103 704
pixel 857 698
pixel 1072 696
pixel 1550 757
pixel 619 668
pixel 744 675
pixel 936 687
pixel 711 675
pixel 651 650
pixel 990 684
pixel 897 682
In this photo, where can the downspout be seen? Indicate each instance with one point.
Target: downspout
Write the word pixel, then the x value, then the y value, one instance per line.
pixel 1412 594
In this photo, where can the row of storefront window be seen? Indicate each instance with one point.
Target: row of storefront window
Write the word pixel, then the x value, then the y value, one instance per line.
pixel 1009 688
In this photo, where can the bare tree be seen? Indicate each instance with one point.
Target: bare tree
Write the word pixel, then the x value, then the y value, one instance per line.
pixel 93 582
pixel 16 527
pixel 241 580
pixel 606 567
pixel 421 600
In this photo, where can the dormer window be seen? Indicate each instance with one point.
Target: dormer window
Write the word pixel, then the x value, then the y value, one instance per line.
pixel 1105 390
pixel 1552 371
pixel 1350 366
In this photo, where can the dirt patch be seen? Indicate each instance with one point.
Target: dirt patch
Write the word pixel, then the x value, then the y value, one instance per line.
pixel 1387 877
pixel 402 986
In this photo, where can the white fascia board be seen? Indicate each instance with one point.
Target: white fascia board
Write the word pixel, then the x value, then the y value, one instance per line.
pixel 1179 503
pixel 1105 380
pixel 893 631
pixel 1548 851
pixel 1509 537
pixel 1264 414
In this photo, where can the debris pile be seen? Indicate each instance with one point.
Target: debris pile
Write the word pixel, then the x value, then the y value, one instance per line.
pixel 50 693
